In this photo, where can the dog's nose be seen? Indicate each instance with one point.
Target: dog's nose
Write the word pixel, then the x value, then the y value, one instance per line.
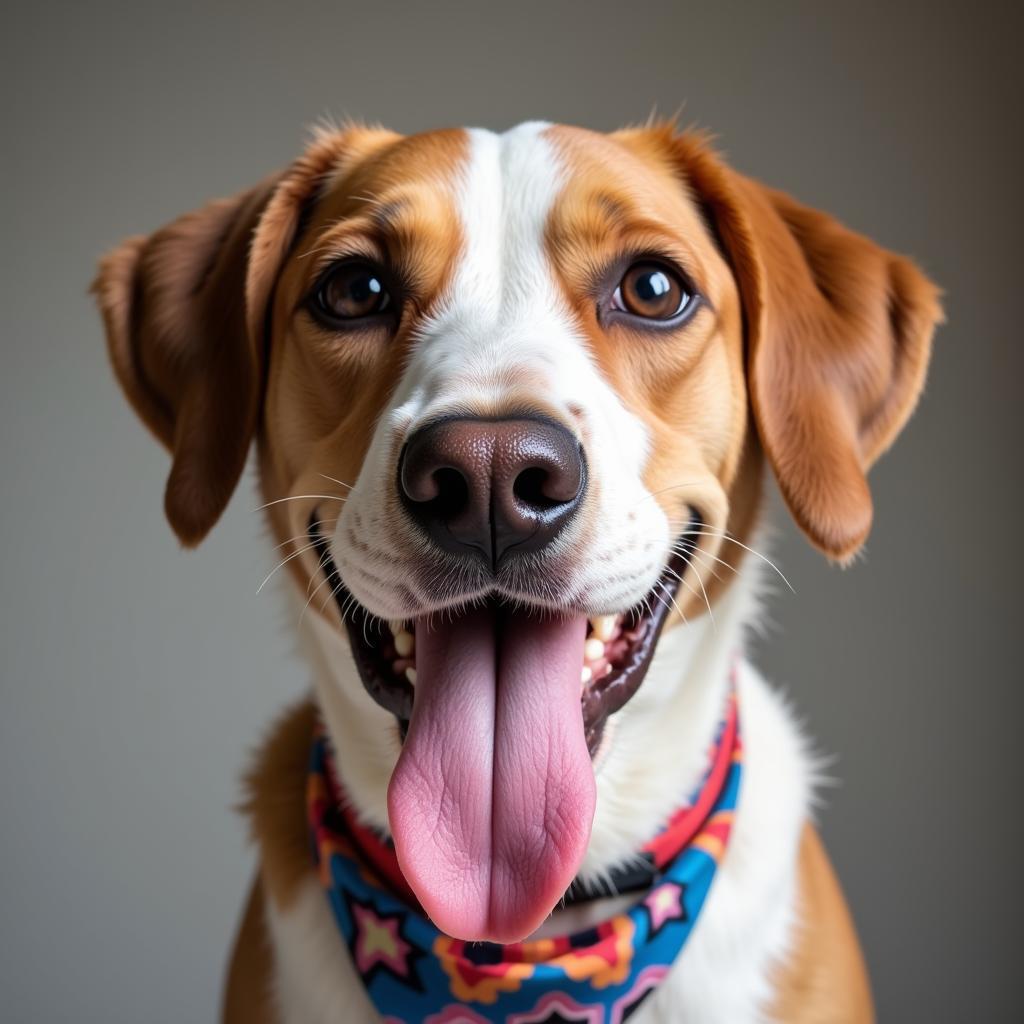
pixel 492 486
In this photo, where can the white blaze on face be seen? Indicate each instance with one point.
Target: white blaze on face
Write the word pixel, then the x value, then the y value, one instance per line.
pixel 502 337
pixel 501 319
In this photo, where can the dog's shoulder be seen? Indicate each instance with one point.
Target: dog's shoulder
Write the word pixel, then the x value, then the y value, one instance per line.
pixel 247 990
pixel 825 979
pixel 275 806
pixel 782 875
pixel 275 802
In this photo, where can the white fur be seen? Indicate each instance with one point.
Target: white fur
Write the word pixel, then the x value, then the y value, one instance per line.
pixel 314 979
pixel 502 318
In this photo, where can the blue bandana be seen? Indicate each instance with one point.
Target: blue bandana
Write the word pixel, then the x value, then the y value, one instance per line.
pixel 414 974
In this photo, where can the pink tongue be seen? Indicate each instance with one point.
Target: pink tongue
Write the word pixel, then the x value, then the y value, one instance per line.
pixel 492 799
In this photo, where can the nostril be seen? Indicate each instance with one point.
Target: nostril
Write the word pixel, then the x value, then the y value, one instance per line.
pixel 452 493
pixel 552 477
pixel 531 487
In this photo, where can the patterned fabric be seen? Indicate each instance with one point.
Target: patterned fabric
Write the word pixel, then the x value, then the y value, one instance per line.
pixel 414 974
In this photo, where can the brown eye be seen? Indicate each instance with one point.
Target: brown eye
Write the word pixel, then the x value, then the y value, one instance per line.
pixel 352 291
pixel 652 291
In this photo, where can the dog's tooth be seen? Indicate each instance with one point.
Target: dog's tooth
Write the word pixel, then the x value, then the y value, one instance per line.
pixel 404 643
pixel 410 674
pixel 593 649
pixel 396 626
pixel 586 674
pixel 604 627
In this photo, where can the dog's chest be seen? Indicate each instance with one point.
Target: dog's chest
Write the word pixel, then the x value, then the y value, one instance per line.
pixel 723 971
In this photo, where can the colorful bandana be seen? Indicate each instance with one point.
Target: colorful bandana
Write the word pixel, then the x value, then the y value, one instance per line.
pixel 414 974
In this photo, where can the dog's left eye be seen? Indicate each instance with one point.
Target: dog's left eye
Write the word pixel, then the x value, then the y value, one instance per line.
pixel 652 291
pixel 351 291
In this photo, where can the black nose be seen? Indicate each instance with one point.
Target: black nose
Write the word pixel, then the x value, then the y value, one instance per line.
pixel 491 486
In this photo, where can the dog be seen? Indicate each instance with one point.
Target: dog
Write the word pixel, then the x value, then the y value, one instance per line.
pixel 513 398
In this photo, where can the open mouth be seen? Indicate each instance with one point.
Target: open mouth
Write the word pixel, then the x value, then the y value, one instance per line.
pixel 501 711
pixel 617 648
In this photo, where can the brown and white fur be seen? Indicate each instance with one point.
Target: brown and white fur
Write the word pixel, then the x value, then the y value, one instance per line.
pixel 807 356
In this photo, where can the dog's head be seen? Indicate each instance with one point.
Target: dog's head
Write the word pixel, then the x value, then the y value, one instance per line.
pixel 512 396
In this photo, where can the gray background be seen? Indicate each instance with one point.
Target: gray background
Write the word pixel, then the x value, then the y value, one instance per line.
pixel 136 677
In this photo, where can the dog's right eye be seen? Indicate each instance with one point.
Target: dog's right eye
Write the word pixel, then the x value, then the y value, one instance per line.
pixel 351 291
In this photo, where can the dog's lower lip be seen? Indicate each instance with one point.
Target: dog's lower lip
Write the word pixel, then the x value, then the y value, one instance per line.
pixel 368 634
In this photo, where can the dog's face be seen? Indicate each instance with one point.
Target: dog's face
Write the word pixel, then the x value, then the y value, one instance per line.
pixel 511 394
pixel 448 284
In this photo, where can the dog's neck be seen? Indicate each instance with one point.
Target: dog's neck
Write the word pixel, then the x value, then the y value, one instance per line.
pixel 654 753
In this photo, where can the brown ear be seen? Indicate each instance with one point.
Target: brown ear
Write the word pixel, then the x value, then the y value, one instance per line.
pixel 175 314
pixel 838 338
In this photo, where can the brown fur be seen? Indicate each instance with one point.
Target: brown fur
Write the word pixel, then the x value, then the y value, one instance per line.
pixel 275 804
pixel 248 998
pixel 825 980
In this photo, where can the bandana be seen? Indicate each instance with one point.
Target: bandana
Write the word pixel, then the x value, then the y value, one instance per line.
pixel 414 974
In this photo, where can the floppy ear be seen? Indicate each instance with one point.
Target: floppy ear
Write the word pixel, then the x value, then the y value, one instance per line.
pixel 174 307
pixel 838 338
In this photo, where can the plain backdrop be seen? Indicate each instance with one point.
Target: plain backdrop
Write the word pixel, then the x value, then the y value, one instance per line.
pixel 135 677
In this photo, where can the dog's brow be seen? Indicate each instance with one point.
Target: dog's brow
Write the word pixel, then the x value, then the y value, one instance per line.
pixel 379 220
pixel 602 215
pixel 386 214
pixel 612 207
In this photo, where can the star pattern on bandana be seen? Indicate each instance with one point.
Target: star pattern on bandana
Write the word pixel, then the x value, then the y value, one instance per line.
pixel 377 945
pixel 664 904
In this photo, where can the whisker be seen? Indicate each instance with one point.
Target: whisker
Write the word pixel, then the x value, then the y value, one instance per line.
pixel 300 497
pixel 320 566
pixel 350 604
pixel 703 556
pixel 738 543
pixel 281 564
pixel 671 487
pixel 332 595
pixel 661 600
pixel 304 535
pixel 676 606
pixel 340 483
pixel 711 614
pixel 326 579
